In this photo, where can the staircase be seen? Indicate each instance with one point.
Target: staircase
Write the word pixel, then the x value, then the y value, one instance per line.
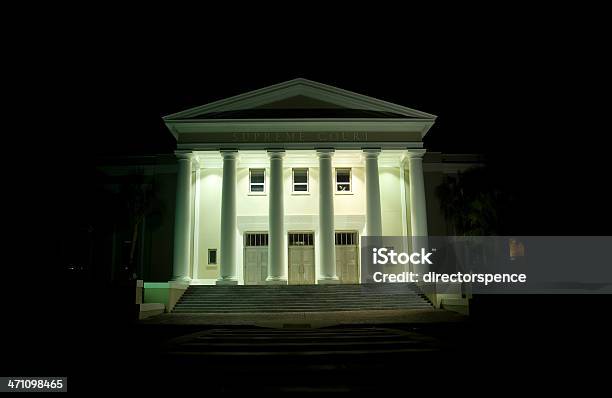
pixel 300 298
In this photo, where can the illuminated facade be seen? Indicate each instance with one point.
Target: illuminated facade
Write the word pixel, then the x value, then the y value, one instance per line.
pixel 277 185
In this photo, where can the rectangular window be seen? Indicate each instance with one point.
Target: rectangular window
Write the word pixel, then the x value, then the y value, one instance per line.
pixel 301 239
pixel 346 238
pixel 343 180
pixel 257 180
pixel 256 239
pixel 212 256
pixel 300 180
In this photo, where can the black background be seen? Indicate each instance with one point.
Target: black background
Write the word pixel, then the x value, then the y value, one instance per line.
pixel 527 89
pixel 528 96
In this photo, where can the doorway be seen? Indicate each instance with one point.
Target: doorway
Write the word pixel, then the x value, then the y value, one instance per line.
pixel 301 258
pixel 347 257
pixel 255 258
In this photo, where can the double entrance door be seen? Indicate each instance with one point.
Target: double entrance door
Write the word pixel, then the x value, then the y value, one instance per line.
pixel 301 258
pixel 347 257
pixel 255 258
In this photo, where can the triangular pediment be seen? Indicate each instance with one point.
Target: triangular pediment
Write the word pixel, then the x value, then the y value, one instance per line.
pixel 299 102
pixel 299 99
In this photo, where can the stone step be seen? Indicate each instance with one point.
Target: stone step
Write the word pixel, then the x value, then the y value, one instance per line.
pixel 251 342
pixel 304 298
pixel 300 294
pixel 331 307
pixel 318 288
pixel 299 298
pixel 308 297
pixel 311 301
pixel 302 336
pixel 294 305
pixel 286 310
pixel 280 300
pixel 298 309
pixel 302 343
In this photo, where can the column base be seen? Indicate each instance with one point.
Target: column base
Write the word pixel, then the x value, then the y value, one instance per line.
pixel 226 281
pixel 181 279
pixel 275 281
pixel 329 280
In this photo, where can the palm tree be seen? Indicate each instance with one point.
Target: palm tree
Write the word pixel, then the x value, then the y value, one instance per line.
pixel 139 202
pixel 471 203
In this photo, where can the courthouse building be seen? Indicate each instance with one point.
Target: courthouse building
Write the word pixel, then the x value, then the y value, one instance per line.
pixel 277 185
pixel 274 186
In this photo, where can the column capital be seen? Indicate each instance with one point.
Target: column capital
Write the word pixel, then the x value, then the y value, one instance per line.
pixel 415 154
pixel 230 154
pixel 371 153
pixel 325 152
pixel 183 155
pixel 276 153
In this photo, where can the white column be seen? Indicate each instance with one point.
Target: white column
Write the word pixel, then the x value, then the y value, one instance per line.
pixel 373 211
pixel 180 266
pixel 403 201
pixel 196 224
pixel 227 251
pixel 404 204
pixel 276 217
pixel 418 217
pixel 327 241
pixel 418 210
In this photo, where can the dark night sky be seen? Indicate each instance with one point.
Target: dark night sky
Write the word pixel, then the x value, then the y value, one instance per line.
pixel 528 88
pixel 522 97
pixel 474 102
pixel 501 97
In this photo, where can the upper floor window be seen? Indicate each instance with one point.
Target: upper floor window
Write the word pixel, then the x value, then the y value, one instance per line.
pixel 300 180
pixel 343 180
pixel 257 180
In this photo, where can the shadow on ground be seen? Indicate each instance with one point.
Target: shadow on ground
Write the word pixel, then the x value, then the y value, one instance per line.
pixel 507 341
